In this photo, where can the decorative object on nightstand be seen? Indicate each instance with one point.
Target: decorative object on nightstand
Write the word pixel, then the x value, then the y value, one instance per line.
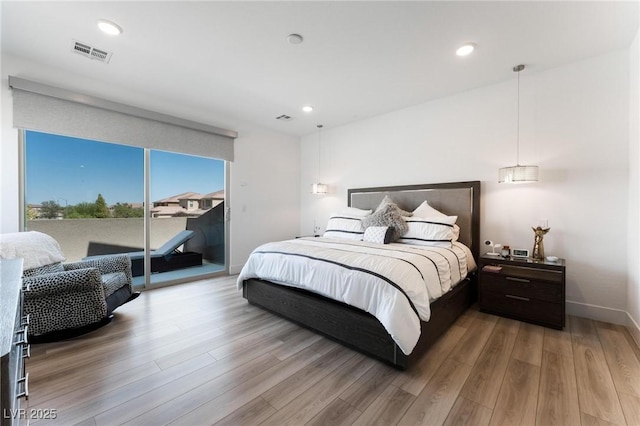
pixel 538 244
pixel 493 248
pixel 520 253
pixel 524 289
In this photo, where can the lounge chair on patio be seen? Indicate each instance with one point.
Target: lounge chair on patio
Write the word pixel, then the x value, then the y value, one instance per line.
pixel 165 258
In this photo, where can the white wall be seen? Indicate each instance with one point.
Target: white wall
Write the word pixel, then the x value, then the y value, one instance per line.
pixel 264 176
pixel 265 203
pixel 574 123
pixel 633 298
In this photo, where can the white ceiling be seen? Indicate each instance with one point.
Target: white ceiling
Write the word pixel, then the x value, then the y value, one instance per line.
pixel 358 59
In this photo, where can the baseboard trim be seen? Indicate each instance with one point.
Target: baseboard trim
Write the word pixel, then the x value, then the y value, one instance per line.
pixel 595 312
pixel 634 329
pixel 235 269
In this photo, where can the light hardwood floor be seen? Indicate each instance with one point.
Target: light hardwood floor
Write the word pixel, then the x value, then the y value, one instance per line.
pixel 199 354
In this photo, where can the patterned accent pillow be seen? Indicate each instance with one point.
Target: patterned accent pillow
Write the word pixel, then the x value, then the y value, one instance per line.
pixel 46 269
pixel 430 231
pixel 345 227
pixel 377 234
pixel 389 215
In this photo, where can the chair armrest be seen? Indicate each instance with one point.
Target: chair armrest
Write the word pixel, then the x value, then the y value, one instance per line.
pixel 63 301
pixel 106 264
pixel 74 281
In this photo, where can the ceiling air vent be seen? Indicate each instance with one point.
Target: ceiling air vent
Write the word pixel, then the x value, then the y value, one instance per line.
pixel 90 52
pixel 284 117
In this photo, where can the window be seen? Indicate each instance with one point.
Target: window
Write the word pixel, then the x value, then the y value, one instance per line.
pixel 90 196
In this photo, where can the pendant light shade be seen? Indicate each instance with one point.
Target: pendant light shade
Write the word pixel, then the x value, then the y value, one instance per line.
pixel 518 173
pixel 319 188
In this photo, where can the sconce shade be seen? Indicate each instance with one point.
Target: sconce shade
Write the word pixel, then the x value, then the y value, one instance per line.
pixel 518 174
pixel 318 188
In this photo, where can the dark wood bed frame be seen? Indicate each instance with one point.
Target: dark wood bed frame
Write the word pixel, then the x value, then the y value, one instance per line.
pixel 358 329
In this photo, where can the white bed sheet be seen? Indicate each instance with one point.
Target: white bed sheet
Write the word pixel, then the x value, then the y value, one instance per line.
pixel 393 282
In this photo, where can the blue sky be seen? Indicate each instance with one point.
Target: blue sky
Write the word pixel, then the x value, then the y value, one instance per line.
pixel 70 171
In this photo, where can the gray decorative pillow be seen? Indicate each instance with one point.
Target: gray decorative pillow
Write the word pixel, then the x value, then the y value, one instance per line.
pixel 387 200
pixel 389 215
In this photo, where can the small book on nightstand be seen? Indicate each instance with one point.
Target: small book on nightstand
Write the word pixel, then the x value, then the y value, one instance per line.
pixel 492 268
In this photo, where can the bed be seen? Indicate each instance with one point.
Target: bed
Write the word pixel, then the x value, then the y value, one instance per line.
pixel 356 328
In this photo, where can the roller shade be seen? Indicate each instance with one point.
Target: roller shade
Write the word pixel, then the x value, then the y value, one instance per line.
pixel 50 109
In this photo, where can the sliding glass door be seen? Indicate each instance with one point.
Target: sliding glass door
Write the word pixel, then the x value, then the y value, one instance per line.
pixel 187 226
pixel 91 197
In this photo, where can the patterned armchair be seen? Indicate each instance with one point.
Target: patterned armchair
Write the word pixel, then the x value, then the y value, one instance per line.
pixel 65 300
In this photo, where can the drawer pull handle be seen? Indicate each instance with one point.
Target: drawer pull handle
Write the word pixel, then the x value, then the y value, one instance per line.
pixel 25 393
pixel 26 351
pixel 526 299
pixel 24 339
pixel 520 280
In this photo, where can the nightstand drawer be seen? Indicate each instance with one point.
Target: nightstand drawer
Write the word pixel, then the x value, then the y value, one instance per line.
pixel 522 287
pixel 529 273
pixel 524 308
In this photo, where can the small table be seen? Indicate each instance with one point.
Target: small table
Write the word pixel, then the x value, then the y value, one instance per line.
pixel 524 289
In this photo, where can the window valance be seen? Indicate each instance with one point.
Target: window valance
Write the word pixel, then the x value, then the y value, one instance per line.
pixel 50 109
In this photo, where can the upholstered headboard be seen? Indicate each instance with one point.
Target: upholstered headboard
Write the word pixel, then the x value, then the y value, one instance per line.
pixel 460 199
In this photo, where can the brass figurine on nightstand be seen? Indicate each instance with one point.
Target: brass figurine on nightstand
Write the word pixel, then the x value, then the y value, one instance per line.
pixel 538 244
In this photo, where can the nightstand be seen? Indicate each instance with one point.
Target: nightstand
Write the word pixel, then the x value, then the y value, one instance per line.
pixel 524 289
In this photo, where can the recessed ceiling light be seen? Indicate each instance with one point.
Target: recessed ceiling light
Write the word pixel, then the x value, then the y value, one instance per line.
pixel 294 38
pixel 109 27
pixel 307 108
pixel 466 49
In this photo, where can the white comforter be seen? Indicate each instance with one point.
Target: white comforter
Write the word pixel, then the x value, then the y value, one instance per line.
pixel 393 282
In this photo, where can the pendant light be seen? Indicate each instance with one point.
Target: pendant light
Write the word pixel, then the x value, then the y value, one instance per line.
pixel 518 173
pixel 319 188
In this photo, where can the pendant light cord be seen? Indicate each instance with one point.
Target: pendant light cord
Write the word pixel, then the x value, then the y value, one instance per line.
pixel 319 126
pixel 518 123
pixel 518 69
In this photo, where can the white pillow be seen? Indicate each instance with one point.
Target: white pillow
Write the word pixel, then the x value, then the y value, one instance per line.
pixel 344 226
pixel 353 211
pixel 429 231
pixel 425 210
pixel 35 248
pixel 377 234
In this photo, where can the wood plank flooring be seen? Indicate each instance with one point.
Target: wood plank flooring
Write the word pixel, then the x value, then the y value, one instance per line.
pixel 198 354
